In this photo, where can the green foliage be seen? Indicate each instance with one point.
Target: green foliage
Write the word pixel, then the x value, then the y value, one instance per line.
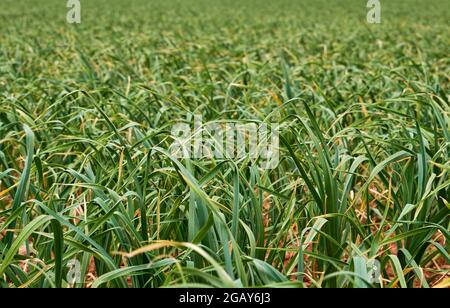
pixel 85 117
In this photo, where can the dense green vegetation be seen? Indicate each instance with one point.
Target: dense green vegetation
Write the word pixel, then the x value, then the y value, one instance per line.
pixel 85 118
